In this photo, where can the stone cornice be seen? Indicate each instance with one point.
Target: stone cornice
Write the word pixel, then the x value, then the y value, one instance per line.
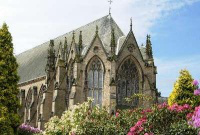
pixel 32 81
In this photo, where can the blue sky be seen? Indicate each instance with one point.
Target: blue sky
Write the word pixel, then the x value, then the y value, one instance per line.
pixel 176 40
pixel 174 26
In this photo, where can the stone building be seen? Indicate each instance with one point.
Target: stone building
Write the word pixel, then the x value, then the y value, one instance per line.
pixel 96 60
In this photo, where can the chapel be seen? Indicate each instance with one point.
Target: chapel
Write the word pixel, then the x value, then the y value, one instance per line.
pixel 96 60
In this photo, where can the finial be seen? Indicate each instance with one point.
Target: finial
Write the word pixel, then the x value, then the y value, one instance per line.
pixel 73 37
pixel 148 37
pixel 113 38
pixel 51 43
pixel 131 25
pixel 65 43
pixel 97 29
pixel 80 40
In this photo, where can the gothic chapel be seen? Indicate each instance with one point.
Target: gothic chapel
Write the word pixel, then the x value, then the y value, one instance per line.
pixel 96 60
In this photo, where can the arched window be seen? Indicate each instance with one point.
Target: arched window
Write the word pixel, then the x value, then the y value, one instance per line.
pixel 95 81
pixel 128 83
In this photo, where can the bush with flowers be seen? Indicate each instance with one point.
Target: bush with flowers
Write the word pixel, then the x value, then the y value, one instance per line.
pixel 25 129
pixel 194 117
pixel 159 119
pixel 83 120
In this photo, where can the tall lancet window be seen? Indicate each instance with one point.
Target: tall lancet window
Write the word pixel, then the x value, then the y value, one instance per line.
pixel 95 81
pixel 128 83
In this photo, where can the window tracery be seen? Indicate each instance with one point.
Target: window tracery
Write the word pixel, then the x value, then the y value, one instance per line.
pixel 127 83
pixel 95 81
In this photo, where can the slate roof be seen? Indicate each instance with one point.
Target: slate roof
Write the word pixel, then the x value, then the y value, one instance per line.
pixel 32 62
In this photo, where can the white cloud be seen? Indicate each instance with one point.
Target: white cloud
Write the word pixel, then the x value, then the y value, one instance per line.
pixel 168 71
pixel 34 22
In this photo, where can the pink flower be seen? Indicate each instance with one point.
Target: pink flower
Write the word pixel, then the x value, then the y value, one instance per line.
pixel 197 92
pixel 141 129
pixel 195 83
pixel 117 114
pixel 133 129
pixel 189 116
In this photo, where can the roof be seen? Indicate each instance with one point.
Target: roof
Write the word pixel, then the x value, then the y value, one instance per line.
pixel 32 62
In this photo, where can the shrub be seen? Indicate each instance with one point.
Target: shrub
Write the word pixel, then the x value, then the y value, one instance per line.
pixel 8 80
pixel 183 91
pixel 164 119
pixel 28 130
pixel 86 121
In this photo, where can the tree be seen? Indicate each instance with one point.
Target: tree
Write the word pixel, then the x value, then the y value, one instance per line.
pixel 8 80
pixel 183 91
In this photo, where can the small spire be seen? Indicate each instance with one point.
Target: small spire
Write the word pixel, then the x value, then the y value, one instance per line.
pixel 149 47
pixel 51 43
pixel 113 37
pixel 148 37
pixel 80 41
pixel 97 29
pixel 73 37
pixel 65 44
pixel 131 24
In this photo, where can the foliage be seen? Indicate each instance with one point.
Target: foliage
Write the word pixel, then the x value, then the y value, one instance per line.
pixel 28 130
pixel 5 121
pixel 86 121
pixel 160 119
pixel 194 118
pixel 8 80
pixel 163 119
pixel 183 91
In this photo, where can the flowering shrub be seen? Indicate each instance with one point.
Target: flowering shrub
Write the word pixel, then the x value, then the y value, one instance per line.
pixel 28 130
pixel 196 85
pixel 83 120
pixel 194 118
pixel 163 119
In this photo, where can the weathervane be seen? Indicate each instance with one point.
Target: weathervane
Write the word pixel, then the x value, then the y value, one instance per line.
pixel 110 2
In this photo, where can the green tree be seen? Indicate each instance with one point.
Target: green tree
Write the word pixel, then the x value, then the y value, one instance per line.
pixel 183 91
pixel 8 81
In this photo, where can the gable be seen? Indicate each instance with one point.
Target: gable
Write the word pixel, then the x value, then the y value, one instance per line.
pixel 130 46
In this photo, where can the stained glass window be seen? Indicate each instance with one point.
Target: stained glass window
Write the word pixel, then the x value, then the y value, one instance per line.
pixel 95 81
pixel 128 82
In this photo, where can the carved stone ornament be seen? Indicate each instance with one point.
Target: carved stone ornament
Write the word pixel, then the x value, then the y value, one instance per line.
pixel 131 47
pixel 96 49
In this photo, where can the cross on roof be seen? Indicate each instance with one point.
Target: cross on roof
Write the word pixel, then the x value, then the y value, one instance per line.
pixel 110 1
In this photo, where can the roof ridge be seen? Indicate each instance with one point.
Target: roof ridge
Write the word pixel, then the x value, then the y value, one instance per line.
pixel 64 34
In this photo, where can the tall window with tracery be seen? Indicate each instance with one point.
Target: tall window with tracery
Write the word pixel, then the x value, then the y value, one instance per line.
pixel 128 83
pixel 95 81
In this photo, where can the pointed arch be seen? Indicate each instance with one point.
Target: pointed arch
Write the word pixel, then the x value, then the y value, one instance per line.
pixel 95 80
pixel 129 78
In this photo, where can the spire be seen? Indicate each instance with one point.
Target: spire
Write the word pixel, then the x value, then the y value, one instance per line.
pixel 65 44
pixel 60 51
pixel 51 57
pixel 131 24
pixel 97 30
pixel 73 37
pixel 65 49
pixel 112 38
pixel 149 47
pixel 80 45
pixel 112 43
